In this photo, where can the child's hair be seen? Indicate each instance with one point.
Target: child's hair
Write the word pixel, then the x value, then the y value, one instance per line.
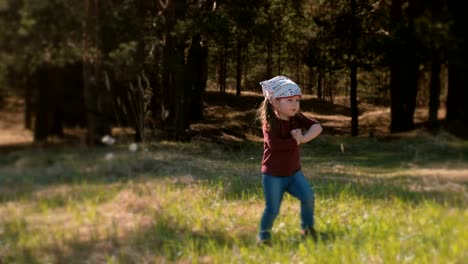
pixel 266 114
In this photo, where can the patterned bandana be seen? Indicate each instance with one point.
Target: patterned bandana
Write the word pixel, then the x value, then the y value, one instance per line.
pixel 280 87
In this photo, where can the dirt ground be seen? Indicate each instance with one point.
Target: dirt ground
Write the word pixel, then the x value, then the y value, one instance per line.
pixel 12 131
pixel 232 118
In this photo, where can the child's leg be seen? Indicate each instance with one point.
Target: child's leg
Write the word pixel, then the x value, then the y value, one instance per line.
pixel 302 190
pixel 273 190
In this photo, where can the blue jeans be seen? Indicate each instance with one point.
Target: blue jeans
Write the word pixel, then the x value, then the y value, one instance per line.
pixel 274 189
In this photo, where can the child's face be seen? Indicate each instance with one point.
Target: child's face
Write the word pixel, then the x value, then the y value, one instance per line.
pixel 286 107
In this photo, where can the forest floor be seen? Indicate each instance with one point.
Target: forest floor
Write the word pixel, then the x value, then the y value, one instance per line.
pixel 12 131
pixel 230 118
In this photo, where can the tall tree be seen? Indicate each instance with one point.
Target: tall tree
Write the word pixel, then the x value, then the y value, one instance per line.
pixel 457 108
pixel 197 59
pixel 175 90
pixel 404 67
pixel 41 41
pixel 353 67
pixel 95 93
pixel 197 75
pixel 438 55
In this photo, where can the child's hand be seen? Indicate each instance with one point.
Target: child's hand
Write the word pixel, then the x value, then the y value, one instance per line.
pixel 297 135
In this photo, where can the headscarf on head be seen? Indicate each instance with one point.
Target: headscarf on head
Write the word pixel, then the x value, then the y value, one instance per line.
pixel 280 87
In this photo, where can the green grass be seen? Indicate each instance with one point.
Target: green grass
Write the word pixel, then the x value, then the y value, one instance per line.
pixel 401 201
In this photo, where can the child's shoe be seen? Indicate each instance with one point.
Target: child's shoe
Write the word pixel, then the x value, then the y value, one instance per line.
pixel 310 232
pixel 264 242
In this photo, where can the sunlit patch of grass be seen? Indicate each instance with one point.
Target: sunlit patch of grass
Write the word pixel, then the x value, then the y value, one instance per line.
pixel 201 203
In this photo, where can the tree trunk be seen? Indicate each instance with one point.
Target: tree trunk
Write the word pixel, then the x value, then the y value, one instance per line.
pixel 56 90
pixel 49 110
pixel 330 86
pixel 279 57
pixel 222 68
pixel 311 79
pixel 457 108
pixel 269 62
pixel 197 75
pixel 167 83
pixel 181 96
pixel 140 118
pixel 434 93
pixel 353 73
pixel 455 99
pixel 353 100
pixel 41 124
pixel 404 71
pixel 320 84
pixel 239 67
pixel 181 121
pixel 95 94
pixel 28 108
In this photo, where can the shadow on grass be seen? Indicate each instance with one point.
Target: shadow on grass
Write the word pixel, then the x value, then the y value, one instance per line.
pixel 164 241
pixel 412 191
pixel 236 171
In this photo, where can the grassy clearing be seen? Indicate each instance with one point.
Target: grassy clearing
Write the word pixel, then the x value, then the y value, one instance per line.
pixel 403 201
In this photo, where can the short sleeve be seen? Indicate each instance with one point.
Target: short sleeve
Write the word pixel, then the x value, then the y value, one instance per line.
pixel 306 122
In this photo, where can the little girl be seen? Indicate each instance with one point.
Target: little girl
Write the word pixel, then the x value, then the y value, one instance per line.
pixel 284 129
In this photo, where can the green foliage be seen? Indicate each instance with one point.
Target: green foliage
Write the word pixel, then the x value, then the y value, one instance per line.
pixel 330 48
pixel 50 31
pixel 314 33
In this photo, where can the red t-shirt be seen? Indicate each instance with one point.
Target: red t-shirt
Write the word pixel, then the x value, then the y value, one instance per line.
pixel 281 154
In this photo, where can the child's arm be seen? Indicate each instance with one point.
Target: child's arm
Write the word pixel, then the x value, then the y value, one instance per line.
pixel 311 133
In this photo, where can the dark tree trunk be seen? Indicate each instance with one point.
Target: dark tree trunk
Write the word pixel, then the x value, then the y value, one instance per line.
pixel 181 96
pixel 320 84
pixel 49 110
pixel 311 79
pixel 353 100
pixel 457 107
pixel 41 124
pixel 56 88
pixel 197 76
pixel 155 72
pixel 140 117
pixel 176 74
pixel 269 62
pixel 330 86
pixel 434 93
pixel 239 67
pixel 279 57
pixel 456 100
pixel 155 80
pixel 353 73
pixel 95 94
pixel 28 98
pixel 404 71
pixel 167 81
pixel 222 68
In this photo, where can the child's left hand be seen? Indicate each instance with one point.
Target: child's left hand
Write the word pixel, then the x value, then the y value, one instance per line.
pixel 297 134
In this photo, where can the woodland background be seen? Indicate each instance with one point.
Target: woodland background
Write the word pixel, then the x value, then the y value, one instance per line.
pixel 148 65
pixel 174 85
